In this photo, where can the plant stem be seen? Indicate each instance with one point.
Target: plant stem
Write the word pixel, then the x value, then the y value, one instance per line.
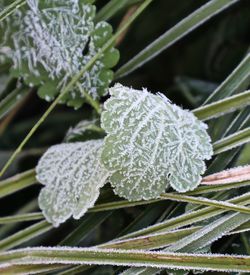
pixel 11 8
pixel 95 104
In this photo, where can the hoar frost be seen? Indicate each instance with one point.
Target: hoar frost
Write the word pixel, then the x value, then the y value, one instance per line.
pixel 53 40
pixel 151 143
pixel 72 175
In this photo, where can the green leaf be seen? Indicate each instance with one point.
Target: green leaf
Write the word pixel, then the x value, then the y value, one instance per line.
pixel 223 107
pixel 151 143
pixel 184 27
pixel 74 81
pixel 54 41
pixel 73 176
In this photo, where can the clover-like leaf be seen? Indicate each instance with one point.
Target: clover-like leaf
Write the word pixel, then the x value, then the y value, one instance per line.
pixel 53 40
pixel 72 175
pixel 151 143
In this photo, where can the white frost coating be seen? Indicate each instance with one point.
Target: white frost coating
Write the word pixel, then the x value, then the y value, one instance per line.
pixel 80 129
pixel 140 271
pixel 53 36
pixel 72 175
pixel 151 143
pixel 236 174
pixel 136 258
pixel 209 233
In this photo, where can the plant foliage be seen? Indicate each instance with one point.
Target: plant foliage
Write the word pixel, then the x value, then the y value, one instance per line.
pixel 138 182
pixel 152 143
pixel 72 175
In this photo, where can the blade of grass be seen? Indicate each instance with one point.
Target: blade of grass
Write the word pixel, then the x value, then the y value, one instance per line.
pixel 7 228
pixel 237 139
pixel 112 8
pixel 73 82
pixel 184 27
pixel 85 228
pixel 16 183
pixel 163 239
pixel 11 8
pixel 204 236
pixel 207 202
pixel 25 235
pixel 236 174
pixel 146 218
pixel 125 204
pixel 222 160
pixel 65 255
pixel 11 100
pixel 223 107
pixel 242 228
pixel 236 82
pixel 172 224
pixel 152 241
pixel 209 233
pixel 216 188
pixel 21 218
pixel 187 218
pixel 34 269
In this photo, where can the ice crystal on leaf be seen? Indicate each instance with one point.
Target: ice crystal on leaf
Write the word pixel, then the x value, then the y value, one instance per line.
pixel 54 41
pixel 85 130
pixel 151 143
pixel 72 175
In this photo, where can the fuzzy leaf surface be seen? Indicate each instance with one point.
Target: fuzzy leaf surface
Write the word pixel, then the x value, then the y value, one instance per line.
pixel 51 41
pixel 72 175
pixel 151 143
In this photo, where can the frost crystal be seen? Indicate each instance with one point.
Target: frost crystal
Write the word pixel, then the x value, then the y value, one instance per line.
pixel 151 143
pixel 72 175
pixel 54 40
pixel 54 36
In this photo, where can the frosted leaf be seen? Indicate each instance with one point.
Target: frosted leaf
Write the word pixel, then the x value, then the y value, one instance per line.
pixel 72 175
pixel 85 130
pixel 151 143
pixel 54 40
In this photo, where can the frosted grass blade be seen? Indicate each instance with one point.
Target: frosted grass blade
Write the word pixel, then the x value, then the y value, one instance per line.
pixel 184 27
pixel 66 255
pixel 224 106
pixel 236 82
pixel 237 139
pixel 17 182
pixel 25 235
